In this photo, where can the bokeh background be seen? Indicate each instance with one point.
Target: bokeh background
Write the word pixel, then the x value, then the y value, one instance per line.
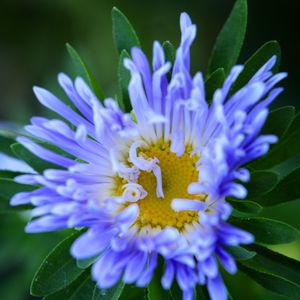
pixel 33 34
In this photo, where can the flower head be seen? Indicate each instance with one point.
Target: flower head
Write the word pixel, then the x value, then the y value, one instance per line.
pixel 155 186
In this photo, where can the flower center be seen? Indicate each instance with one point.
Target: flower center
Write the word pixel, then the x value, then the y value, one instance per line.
pixel 177 174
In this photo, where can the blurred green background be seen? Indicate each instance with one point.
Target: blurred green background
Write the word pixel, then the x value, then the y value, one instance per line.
pixel 33 34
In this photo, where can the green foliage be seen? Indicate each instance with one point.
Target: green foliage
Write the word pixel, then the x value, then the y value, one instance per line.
pixel 244 208
pixel 170 51
pixel 288 189
pixel 83 71
pixel 230 40
pixel 273 283
pixel 8 187
pixel 288 146
pixel 113 293
pixel 124 79
pixel 279 121
pixel 5 143
pixel 256 61
pixel 214 81
pixel 267 231
pixel 240 253
pixel 62 277
pixel 156 291
pixel 273 271
pixel 35 162
pixel 58 269
pixel 175 291
pixel 85 263
pixel 261 182
pixel 124 34
pixel 80 289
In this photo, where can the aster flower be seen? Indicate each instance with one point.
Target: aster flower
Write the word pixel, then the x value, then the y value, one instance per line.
pixel 155 186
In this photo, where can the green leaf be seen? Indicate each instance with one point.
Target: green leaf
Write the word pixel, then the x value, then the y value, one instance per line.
pixel 202 293
pixel 84 72
pixel 85 263
pixel 35 162
pixel 230 40
pixel 261 183
pixel 113 293
pixel 9 174
pixel 274 271
pixel 279 120
pixel 80 289
pixel 123 33
pixel 12 130
pixel 240 253
pixel 58 270
pixel 267 231
pixel 175 291
pixel 213 82
pixel 287 147
pixel 244 208
pixel 8 187
pixel 170 51
pixel 5 143
pixel 124 79
pixel 156 291
pixel 256 61
pixel 273 283
pixel 288 189
pixel 271 262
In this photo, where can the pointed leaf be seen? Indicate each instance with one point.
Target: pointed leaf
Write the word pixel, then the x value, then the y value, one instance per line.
pixel 80 289
pixel 230 40
pixel 244 208
pixel 213 82
pixel 256 61
pixel 279 121
pixel 35 162
pixel 273 283
pixel 288 189
pixel 274 271
pixel 124 79
pixel 156 291
pixel 58 270
pixel 8 187
pixel 170 51
pixel 84 72
pixel 271 262
pixel 123 33
pixel 240 253
pixel 268 231
pixel 5 143
pixel 287 147
pixel 261 183
pixel 112 293
pixel 202 293
pixel 175 291
pixel 85 263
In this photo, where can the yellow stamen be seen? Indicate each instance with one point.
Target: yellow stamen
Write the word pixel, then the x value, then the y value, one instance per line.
pixel 177 174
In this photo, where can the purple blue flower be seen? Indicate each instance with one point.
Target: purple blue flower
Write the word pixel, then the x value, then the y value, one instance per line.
pixel 153 186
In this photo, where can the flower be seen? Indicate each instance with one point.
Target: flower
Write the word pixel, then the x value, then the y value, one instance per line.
pixel 155 186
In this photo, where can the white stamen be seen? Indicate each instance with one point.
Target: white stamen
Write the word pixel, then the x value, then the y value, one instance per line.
pixel 133 192
pixel 147 165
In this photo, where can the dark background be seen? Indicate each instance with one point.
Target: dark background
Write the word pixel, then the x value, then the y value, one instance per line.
pixel 33 34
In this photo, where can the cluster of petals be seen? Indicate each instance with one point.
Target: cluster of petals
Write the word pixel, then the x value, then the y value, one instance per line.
pixel 96 141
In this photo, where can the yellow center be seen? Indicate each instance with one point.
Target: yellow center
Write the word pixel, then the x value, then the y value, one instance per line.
pixel 177 174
